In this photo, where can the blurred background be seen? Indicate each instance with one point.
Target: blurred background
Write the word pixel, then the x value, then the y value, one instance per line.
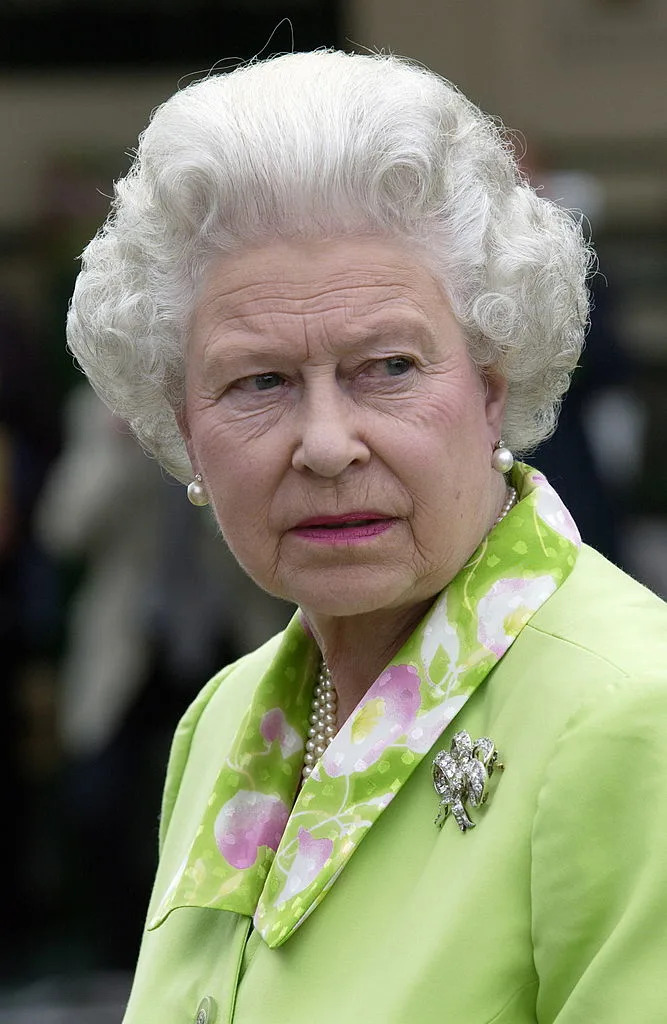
pixel 117 599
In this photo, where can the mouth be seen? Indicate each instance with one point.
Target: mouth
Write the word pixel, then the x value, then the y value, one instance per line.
pixel 342 522
pixel 352 528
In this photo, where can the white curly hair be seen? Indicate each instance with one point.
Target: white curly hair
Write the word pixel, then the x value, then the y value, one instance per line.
pixel 324 144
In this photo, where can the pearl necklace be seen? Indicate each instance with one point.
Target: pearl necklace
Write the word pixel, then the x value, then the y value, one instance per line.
pixel 510 502
pixel 323 713
pixel 324 708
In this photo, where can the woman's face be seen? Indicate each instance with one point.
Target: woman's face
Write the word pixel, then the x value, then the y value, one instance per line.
pixel 341 430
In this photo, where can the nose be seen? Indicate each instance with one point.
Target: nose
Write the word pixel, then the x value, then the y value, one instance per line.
pixel 328 439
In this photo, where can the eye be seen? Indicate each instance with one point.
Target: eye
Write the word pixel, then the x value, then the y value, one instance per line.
pixel 265 381
pixel 256 382
pixel 398 365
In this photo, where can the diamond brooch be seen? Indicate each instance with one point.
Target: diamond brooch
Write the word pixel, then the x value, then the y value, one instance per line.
pixel 461 777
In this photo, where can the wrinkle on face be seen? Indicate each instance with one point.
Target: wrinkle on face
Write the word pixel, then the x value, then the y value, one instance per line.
pixel 314 313
pixel 255 307
pixel 243 301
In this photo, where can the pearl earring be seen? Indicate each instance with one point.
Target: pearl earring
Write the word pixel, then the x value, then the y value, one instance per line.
pixel 197 492
pixel 502 459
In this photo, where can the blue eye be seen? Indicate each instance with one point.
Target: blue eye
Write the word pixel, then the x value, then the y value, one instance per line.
pixel 267 381
pixel 398 365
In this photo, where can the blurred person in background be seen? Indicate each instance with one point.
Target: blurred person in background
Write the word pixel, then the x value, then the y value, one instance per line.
pixel 595 456
pixel 569 458
pixel 29 441
pixel 327 298
pixel 156 608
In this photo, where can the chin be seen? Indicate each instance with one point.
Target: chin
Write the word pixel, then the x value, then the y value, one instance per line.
pixel 346 593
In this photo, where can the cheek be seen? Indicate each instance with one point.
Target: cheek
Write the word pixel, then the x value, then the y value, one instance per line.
pixel 241 496
pixel 442 458
pixel 448 427
pixel 463 424
pixel 243 522
pixel 242 482
pixel 227 453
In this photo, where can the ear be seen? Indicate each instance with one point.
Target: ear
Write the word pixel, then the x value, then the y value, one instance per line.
pixel 495 401
pixel 184 430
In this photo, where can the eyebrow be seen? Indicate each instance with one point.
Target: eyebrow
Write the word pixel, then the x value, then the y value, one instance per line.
pixel 374 333
pixel 383 330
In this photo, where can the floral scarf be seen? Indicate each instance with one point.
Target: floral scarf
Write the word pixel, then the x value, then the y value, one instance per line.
pixel 259 853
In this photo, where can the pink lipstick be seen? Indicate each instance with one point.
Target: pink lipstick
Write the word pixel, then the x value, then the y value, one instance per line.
pixel 354 527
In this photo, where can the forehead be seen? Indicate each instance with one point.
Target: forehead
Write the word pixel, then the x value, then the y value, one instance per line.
pixel 354 280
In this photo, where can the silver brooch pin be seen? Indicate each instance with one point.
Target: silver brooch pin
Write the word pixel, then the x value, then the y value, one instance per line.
pixel 461 777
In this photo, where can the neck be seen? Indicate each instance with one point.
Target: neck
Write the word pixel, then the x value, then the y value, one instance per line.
pixel 357 648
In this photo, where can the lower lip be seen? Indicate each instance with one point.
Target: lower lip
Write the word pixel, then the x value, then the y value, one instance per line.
pixel 344 534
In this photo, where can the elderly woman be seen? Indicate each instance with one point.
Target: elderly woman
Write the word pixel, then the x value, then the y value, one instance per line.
pixel 326 297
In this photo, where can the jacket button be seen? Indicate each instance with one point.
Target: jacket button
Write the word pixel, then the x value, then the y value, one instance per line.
pixel 205 1011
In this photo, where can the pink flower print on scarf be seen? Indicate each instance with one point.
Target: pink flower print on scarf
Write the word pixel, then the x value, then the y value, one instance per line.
pixel 274 727
pixel 384 714
pixel 551 509
pixel 311 856
pixel 247 821
pixel 429 726
pixel 506 607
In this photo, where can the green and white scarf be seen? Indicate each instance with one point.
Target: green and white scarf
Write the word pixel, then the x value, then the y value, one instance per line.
pixel 259 853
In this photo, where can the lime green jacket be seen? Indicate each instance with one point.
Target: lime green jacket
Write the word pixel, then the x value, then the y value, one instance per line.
pixel 552 909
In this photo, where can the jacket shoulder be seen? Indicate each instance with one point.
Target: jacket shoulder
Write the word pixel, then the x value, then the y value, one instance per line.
pixel 598 643
pixel 605 613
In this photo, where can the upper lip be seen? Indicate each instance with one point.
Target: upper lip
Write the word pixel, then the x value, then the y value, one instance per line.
pixel 346 517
